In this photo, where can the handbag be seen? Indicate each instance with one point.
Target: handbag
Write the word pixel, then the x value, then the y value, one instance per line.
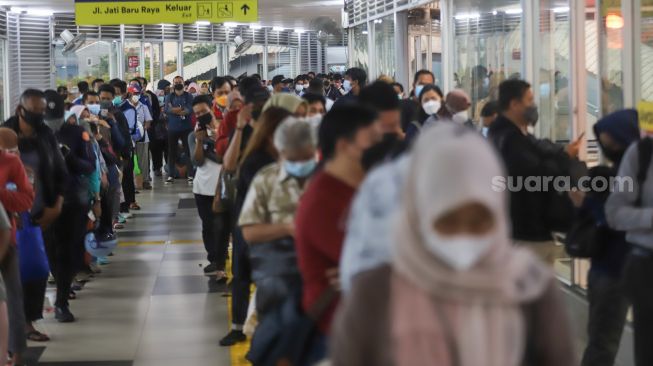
pixel 33 260
pixel 286 336
pixel 227 191
pixel 585 237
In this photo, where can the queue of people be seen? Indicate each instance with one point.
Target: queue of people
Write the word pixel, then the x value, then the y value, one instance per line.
pixel 368 222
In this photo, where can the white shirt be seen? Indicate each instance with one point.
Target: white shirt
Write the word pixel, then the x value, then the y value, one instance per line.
pixel 206 178
pixel 369 239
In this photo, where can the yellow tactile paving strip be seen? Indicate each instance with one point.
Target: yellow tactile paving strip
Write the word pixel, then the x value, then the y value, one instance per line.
pixel 238 351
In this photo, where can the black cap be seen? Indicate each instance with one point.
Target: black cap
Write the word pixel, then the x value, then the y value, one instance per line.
pixel 55 107
pixel 277 79
pixel 162 84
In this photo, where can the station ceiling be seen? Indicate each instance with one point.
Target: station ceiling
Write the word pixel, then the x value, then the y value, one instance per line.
pixel 272 13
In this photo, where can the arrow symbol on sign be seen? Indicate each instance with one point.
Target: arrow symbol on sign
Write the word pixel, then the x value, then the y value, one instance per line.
pixel 245 8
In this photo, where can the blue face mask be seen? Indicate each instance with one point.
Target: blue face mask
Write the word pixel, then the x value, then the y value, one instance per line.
pixel 161 99
pixel 484 131
pixel 285 90
pixel 418 90
pixel 94 109
pixel 300 169
pixel 117 100
pixel 347 85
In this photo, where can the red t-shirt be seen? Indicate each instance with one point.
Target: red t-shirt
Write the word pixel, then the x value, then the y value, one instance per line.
pixel 320 231
pixel 225 130
pixel 21 199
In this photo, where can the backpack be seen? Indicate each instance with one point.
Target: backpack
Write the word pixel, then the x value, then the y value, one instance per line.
pixel 585 238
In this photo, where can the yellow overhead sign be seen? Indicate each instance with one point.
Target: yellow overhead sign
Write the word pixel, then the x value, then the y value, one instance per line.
pixel 94 12
pixel 645 110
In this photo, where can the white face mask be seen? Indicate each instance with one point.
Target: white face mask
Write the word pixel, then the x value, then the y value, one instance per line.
pixel 347 85
pixel 460 252
pixel 484 131
pixel 460 117
pixel 315 120
pixel 432 107
pixel 135 99
pixel 299 88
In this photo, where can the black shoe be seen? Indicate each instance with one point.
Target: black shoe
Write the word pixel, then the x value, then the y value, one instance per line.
pixel 63 315
pixel 211 270
pixel 235 336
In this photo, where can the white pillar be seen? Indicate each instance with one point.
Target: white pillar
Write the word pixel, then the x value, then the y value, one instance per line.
pixel 401 49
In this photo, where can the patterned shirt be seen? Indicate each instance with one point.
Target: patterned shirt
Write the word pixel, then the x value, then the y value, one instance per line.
pixel 272 198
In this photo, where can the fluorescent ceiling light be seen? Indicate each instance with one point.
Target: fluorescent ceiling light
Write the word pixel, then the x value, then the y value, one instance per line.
pixel 465 16
pixel 319 3
pixel 562 9
pixel 33 11
pixel 255 26
pixel 514 11
pixel 230 25
pixel 494 12
pixel 365 32
pixel 278 29
pixel 300 30
pixel 202 22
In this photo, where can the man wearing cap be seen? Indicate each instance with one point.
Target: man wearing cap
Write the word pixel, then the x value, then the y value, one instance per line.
pixel 277 83
pixel 139 119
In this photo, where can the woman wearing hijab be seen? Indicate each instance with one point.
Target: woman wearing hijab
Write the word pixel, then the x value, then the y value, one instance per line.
pixel 456 293
pixel 608 303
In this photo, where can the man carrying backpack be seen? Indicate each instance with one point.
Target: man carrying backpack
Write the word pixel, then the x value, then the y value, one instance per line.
pixel 630 208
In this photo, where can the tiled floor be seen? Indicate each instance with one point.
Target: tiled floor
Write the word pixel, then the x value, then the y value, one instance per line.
pixel 151 305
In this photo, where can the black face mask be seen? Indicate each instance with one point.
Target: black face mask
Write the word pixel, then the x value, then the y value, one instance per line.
pixel 531 114
pixel 614 156
pixel 33 119
pixel 179 87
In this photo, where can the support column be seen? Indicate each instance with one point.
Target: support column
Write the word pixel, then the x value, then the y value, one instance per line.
pixel 631 52
pixel 448 35
pixel 401 49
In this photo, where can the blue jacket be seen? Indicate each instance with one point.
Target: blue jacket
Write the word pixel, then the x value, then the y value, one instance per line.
pixel 178 123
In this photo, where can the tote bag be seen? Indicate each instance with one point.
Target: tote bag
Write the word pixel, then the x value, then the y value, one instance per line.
pixel 33 260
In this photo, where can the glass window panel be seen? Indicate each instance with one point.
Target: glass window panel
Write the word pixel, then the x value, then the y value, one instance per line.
pixel 553 76
pixel 250 61
pixel 487 48
pixel 282 61
pixel 384 39
pixel 93 60
pixel 646 51
pixel 200 61
pixel 152 63
pixel 170 50
pixel 611 48
pixel 133 60
pixel 360 49
pixel 592 67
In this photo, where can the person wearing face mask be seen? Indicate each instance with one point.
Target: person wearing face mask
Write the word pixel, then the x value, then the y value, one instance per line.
pixel 178 108
pixel 456 109
pixel 267 219
pixel 277 84
pixel 258 151
pixel 300 85
pixel 345 133
pixel 67 258
pixel 206 179
pixel 489 114
pixel 608 300
pixel 355 81
pixel 534 213
pixel 46 168
pixel 455 292
pixel 140 120
pixel 399 89
pixel 335 90
pixel 430 101
pixel 159 132
pixel 316 109
pixel 410 107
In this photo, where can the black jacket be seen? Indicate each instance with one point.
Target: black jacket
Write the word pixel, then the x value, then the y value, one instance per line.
pixel 80 160
pixel 526 156
pixel 53 171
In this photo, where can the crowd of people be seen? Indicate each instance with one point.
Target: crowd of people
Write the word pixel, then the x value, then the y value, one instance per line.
pixel 363 212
